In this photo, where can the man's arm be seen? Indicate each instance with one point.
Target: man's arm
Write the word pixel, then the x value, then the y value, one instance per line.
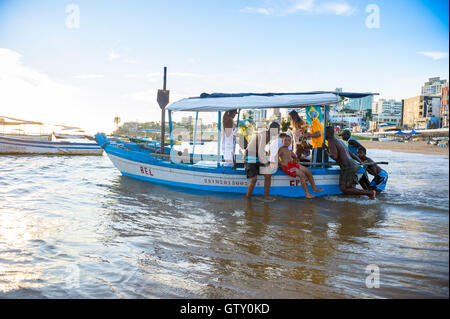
pixel 355 157
pixel 316 134
pixel 355 144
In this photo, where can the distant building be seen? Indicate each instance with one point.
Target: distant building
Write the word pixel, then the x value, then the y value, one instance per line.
pixel 186 120
pixel 383 106
pixel 444 106
pixel 361 104
pixel 434 87
pixel 387 111
pixel 259 115
pixel 345 120
pixel 421 112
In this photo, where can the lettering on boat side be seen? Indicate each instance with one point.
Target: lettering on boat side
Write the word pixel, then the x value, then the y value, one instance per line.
pixel 294 182
pixel 224 182
pixel 234 308
pixel 146 170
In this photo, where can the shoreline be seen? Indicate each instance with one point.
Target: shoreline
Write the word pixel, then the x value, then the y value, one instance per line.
pixel 420 147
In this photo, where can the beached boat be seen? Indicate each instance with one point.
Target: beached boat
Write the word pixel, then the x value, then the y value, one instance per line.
pixel 23 146
pixel 15 128
pixel 205 172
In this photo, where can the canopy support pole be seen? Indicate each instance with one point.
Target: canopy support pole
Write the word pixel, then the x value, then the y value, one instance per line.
pixel 170 129
pixel 195 134
pixel 324 134
pixel 237 126
pixel 219 126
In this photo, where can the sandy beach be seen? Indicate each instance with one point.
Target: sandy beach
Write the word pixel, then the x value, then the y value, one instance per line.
pixel 411 147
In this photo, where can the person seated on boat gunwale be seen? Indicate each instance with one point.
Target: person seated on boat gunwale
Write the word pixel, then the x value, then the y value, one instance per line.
pixel 275 146
pixel 349 164
pixel 256 160
pixel 289 165
pixel 381 176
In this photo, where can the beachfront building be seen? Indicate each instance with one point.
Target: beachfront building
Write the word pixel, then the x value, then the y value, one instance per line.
pixel 444 106
pixel 421 112
pixel 434 87
pixel 345 120
pixel 387 111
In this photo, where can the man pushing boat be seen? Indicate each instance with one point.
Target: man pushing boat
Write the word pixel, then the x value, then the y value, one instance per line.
pixel 349 164
pixel 381 176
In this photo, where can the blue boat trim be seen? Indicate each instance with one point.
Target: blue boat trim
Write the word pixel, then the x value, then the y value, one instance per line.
pixel 287 191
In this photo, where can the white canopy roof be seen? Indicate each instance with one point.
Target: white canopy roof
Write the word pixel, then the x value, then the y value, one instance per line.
pixel 252 101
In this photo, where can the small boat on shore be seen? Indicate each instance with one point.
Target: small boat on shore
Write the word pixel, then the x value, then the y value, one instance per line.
pixel 206 171
pixel 24 146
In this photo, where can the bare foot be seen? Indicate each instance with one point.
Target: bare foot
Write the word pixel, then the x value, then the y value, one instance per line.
pixel 374 195
pixel 308 195
pixel 267 200
pixel 315 189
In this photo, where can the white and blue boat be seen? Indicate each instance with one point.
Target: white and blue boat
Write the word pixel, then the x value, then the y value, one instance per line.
pixel 16 146
pixel 206 172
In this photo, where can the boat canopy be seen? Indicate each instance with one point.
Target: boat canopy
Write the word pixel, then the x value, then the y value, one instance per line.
pixel 217 102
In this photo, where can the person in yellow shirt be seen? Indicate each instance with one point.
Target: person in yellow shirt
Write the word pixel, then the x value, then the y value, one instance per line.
pixel 316 135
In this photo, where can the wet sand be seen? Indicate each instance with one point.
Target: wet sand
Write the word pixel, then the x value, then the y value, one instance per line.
pixel 420 147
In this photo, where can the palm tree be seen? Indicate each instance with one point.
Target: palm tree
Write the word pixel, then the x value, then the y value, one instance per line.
pixel 117 121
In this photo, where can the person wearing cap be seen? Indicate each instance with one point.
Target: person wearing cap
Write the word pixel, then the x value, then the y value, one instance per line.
pixel 352 143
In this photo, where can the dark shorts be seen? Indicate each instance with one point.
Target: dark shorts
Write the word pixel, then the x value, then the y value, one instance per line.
pixel 348 177
pixel 252 169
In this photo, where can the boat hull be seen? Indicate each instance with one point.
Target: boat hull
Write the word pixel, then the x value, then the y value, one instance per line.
pixel 22 146
pixel 281 184
pixel 145 167
pixel 47 137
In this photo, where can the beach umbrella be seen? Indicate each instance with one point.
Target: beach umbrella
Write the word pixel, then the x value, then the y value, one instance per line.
pixel 400 133
pixel 414 132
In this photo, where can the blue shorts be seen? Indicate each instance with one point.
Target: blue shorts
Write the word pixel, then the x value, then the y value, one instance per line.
pixel 379 182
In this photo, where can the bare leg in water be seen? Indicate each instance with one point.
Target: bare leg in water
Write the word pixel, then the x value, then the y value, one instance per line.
pixel 310 177
pixel 267 182
pixel 303 183
pixel 251 186
pixel 354 191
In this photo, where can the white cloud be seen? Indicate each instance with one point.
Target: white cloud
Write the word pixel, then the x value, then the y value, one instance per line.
pixel 300 6
pixel 266 11
pixel 436 55
pixel 31 94
pixel 113 55
pixel 287 7
pixel 89 76
pixel 337 8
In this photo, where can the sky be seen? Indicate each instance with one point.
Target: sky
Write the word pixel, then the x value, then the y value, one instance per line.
pixel 83 63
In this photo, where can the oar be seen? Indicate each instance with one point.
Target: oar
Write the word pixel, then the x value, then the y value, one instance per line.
pixel 336 164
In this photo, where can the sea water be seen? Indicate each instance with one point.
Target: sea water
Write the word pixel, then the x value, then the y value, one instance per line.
pixel 73 227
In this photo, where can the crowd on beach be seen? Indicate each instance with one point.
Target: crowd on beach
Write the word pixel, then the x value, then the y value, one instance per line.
pixel 300 146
